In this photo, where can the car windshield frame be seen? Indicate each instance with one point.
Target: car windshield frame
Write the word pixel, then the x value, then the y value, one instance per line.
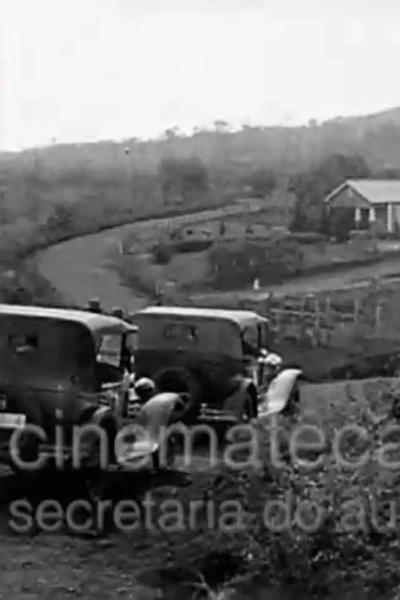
pixel 251 346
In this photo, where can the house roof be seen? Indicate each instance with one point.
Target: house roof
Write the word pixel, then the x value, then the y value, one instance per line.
pixel 374 191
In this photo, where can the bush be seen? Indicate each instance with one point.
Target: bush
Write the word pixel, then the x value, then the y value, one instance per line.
pixel 192 245
pixel 308 237
pixel 240 263
pixel 25 285
pixel 162 254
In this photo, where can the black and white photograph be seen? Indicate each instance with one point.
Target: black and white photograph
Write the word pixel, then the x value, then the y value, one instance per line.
pixel 199 300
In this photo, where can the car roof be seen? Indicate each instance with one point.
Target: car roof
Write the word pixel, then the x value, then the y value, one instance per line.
pixel 90 320
pixel 242 318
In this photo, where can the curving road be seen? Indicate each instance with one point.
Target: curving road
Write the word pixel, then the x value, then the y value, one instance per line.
pixel 78 269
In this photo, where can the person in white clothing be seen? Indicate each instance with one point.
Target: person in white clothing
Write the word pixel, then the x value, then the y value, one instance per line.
pixel 271 364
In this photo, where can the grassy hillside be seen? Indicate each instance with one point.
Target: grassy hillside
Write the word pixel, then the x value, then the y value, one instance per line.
pixel 52 194
pixel 113 182
pixel 376 137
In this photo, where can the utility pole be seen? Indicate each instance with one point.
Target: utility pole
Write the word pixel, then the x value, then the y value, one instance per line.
pixel 129 176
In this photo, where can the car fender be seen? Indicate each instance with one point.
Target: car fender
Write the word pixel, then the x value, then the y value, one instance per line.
pixel 279 391
pixel 234 403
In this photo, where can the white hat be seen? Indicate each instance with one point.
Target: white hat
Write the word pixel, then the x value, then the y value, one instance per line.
pixel 273 360
pixel 144 384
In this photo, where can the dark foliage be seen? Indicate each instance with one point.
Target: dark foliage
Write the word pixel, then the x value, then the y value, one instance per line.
pixel 311 187
pixel 162 254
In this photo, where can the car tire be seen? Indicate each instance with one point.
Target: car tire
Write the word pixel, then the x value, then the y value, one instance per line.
pixel 181 381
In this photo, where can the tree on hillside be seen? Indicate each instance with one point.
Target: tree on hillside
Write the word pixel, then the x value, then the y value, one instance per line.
pixel 60 222
pixel 181 179
pixel 221 126
pixel 262 182
pixel 312 186
pixel 387 173
pixel 172 133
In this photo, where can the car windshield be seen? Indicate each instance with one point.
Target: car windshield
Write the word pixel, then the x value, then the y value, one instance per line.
pixel 109 349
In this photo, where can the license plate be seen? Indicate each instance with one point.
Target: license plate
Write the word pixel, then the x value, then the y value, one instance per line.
pixel 12 421
pixel 3 402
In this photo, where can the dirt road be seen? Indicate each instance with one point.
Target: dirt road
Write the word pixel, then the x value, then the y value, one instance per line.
pixel 78 270
pixel 347 278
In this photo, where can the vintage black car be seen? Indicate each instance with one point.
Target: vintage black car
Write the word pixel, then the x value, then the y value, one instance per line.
pixel 210 354
pixel 60 369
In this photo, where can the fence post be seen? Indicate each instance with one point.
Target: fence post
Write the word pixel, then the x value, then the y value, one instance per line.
pixel 378 317
pixel 356 309
pixel 328 306
pixel 310 298
pixel 318 326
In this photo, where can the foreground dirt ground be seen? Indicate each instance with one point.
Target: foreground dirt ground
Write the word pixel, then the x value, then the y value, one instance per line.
pixel 150 562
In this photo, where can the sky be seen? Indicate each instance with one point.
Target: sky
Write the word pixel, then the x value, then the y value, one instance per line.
pixel 84 70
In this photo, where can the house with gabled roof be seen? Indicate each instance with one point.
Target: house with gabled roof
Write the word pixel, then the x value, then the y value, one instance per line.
pixel 374 201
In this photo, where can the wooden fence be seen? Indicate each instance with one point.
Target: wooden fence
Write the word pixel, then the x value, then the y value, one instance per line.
pixel 319 320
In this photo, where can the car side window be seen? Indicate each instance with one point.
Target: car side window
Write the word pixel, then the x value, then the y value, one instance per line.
pixel 23 344
pixel 178 332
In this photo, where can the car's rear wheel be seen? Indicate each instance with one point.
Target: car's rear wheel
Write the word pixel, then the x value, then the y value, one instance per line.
pixel 181 381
